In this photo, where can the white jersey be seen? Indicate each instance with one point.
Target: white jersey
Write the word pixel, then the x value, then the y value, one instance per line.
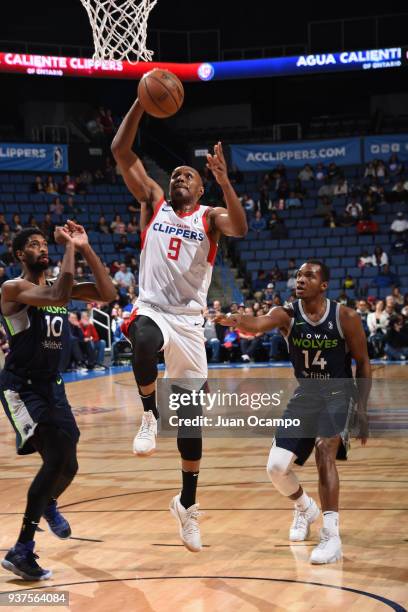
pixel 176 261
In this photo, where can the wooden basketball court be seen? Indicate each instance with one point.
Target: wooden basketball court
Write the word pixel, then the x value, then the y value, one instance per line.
pixel 125 553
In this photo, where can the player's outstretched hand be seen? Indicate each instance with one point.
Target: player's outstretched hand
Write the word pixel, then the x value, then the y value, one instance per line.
pixel 229 320
pixel 217 164
pixel 363 427
pixel 78 234
pixel 62 235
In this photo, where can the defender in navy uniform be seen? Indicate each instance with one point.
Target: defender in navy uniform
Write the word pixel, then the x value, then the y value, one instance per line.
pixel 32 391
pixel 322 338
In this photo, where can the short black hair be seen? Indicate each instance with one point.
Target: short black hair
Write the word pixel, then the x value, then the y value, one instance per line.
pixel 20 240
pixel 324 270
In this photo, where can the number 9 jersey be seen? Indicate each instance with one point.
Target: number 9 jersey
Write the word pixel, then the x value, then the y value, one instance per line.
pixel 318 350
pixel 176 259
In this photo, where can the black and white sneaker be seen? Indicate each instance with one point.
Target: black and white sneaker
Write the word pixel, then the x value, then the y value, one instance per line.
pixel 21 560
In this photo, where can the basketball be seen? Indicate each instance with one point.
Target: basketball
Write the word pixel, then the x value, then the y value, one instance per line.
pixel 160 93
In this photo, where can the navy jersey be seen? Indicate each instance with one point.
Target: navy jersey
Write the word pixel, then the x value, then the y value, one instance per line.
pixel 36 335
pixel 318 350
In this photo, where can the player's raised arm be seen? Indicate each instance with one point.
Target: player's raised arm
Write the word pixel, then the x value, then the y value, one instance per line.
pixel 144 188
pixel 230 222
pixel 22 291
pixel 277 317
pixel 356 341
pixel 103 289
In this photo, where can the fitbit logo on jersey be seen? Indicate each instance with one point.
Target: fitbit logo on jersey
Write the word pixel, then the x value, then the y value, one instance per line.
pixel 178 231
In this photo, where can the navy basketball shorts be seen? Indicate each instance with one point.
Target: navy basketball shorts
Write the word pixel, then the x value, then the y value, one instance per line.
pixel 320 416
pixel 29 403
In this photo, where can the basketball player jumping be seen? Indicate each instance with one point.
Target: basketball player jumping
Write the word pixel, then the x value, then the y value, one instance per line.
pixel 336 335
pixel 31 389
pixel 179 243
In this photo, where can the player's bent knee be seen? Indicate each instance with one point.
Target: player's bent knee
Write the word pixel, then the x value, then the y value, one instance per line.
pixel 279 462
pixel 190 449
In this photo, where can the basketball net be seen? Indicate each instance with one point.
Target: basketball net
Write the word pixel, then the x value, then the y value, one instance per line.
pixel 119 29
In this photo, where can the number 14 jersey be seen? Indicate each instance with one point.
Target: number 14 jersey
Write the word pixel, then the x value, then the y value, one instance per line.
pixel 177 258
pixel 318 350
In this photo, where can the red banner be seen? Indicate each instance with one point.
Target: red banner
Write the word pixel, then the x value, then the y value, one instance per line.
pixel 50 65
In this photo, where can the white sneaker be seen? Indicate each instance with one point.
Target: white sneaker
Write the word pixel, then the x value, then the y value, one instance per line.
pixel 302 519
pixel 144 443
pixel 187 519
pixel 328 550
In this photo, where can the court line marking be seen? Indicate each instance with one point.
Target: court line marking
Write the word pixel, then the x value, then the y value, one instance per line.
pixel 388 602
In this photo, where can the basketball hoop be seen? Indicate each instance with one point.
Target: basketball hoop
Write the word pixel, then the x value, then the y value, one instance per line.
pixel 119 29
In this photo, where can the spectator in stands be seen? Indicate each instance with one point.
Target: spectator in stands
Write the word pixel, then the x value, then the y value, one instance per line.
pixel 264 202
pixel 385 278
pixel 86 178
pixel 324 207
pixel 277 226
pixel 116 221
pixel 396 340
pixel 370 170
pixel 377 323
pixel 333 171
pixel 51 186
pixel 306 174
pixel 269 292
pixel 344 299
pixel 57 207
pixel 260 284
pixel 379 258
pixel 283 190
pixel 8 234
pixel 120 228
pixel 7 257
pixel 363 310
pixel 293 201
pixel 291 274
pixel 123 246
pixel 258 223
pixel 394 165
pixel 398 298
pixel 365 260
pixel 102 226
pixel 326 190
pixel 16 225
pixel 276 274
pixel 91 335
pixel 38 185
pixel 399 226
pixel 212 342
pixel 348 282
pixel 404 310
pixel 249 342
pixel 354 208
pixel 3 222
pixel 81 356
pixel 119 341
pixel 330 220
pixel 133 225
pixel 68 185
pixel 80 275
pixel 47 227
pixel 71 207
pixel 247 203
pixel 380 168
pixel 340 188
pixel 399 193
pixel 3 275
pixel 124 277
pixel 321 172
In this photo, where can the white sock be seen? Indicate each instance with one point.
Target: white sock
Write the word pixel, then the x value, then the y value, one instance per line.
pixel 331 522
pixel 303 502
